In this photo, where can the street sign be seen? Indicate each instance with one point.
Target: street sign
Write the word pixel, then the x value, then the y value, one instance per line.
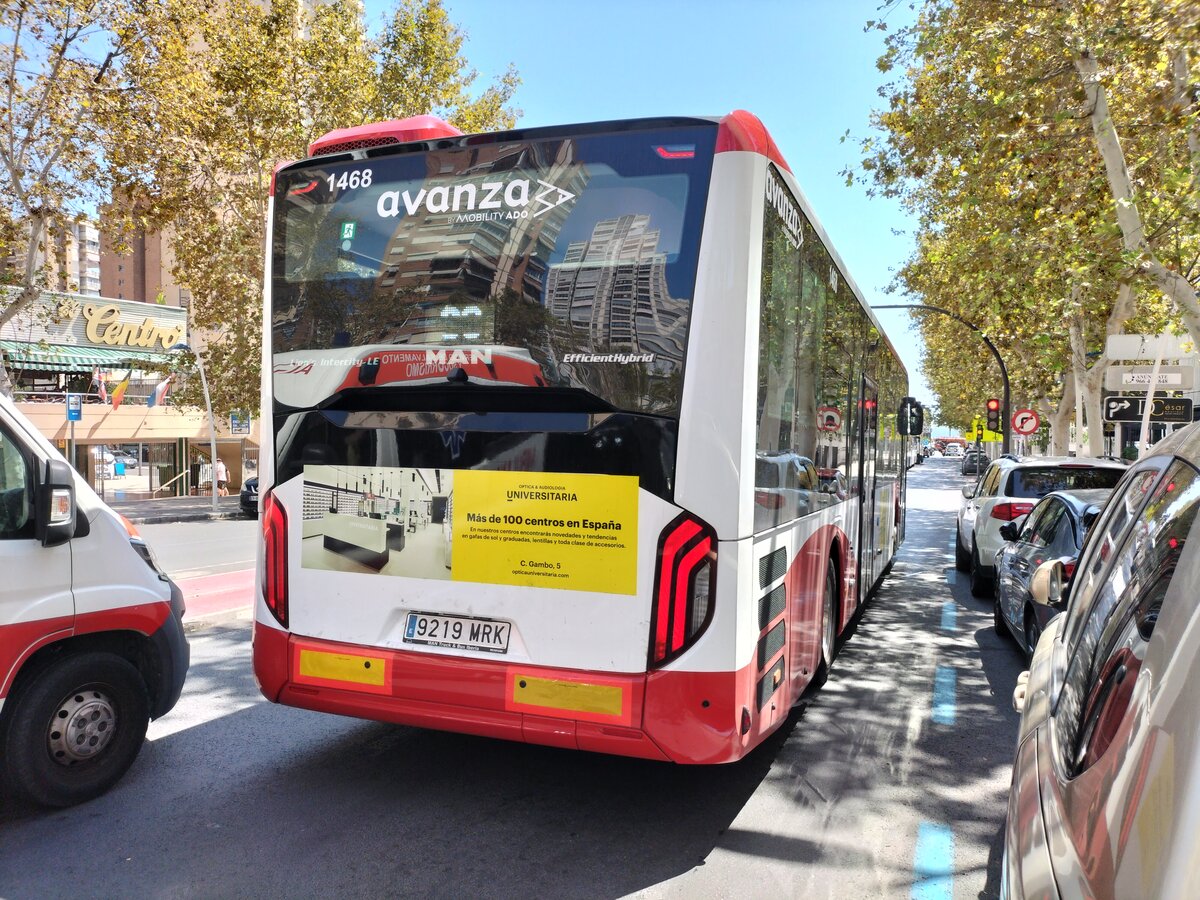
pixel 1130 409
pixel 829 418
pixel 74 407
pixel 1132 378
pixel 239 423
pixel 1148 346
pixel 1025 421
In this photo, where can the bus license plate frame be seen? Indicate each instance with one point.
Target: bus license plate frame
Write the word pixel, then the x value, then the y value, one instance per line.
pixel 441 633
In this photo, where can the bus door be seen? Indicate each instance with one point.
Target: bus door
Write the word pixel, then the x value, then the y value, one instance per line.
pixel 868 513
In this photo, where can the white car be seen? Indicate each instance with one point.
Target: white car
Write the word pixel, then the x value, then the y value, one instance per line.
pixel 954 450
pixel 1008 490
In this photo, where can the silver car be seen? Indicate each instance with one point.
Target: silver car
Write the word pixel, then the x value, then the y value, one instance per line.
pixel 1008 490
pixel 1106 786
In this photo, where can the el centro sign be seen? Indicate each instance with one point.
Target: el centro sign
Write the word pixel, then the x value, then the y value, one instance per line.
pixel 105 325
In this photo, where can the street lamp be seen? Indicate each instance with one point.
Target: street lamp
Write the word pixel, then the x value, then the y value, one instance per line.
pixel 212 424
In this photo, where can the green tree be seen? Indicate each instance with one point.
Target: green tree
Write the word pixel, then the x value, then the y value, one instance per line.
pixel 61 64
pixel 990 137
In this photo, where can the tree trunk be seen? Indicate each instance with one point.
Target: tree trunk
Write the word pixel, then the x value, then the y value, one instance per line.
pixel 1129 219
pixel 1059 417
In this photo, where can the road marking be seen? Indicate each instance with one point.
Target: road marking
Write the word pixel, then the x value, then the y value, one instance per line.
pixel 951 576
pixel 933 863
pixel 949 615
pixel 944 684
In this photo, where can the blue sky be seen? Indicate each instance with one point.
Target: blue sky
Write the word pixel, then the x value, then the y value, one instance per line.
pixel 805 67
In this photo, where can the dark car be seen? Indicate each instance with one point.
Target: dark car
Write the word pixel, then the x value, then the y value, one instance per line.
pixel 1054 529
pixel 974 462
pixel 249 497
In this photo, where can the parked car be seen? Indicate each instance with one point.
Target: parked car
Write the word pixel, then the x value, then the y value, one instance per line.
pixel 91 634
pixel 129 460
pixel 1106 783
pixel 974 462
pixel 248 498
pixel 1054 530
pixel 1008 490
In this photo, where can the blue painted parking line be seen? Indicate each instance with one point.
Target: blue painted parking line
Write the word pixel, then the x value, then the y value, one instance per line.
pixel 951 576
pixel 933 863
pixel 944 689
pixel 949 616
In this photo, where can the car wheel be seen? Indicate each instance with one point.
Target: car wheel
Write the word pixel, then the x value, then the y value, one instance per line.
pixel 1033 632
pixel 998 615
pixel 829 607
pixel 962 559
pixel 979 582
pixel 75 729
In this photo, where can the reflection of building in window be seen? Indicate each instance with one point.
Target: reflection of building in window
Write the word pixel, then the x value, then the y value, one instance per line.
pixel 614 285
pixel 436 263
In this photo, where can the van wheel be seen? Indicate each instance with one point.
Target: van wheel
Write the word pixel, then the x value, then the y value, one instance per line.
pixel 75 729
pixel 998 616
pixel 829 607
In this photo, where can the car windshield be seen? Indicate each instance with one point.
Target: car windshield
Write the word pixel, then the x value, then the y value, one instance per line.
pixel 1038 482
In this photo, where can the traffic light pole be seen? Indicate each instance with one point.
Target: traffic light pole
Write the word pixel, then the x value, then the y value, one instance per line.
pixel 1006 411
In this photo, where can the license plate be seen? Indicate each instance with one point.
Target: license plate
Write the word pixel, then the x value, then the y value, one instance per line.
pixel 461 632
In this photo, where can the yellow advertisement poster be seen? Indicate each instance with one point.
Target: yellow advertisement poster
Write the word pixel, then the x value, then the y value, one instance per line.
pixel 552 530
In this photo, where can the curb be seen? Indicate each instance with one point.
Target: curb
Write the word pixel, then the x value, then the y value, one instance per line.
pixel 168 518
pixel 237 615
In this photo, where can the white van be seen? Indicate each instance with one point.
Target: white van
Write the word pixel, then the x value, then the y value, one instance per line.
pixel 91 634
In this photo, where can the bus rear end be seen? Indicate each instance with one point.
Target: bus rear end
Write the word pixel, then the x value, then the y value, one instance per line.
pixel 475 369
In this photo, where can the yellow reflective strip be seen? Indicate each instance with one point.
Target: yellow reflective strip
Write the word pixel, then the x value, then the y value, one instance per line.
pixel 342 667
pixel 570 695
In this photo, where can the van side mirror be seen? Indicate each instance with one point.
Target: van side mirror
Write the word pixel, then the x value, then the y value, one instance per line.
pixel 55 505
pixel 910 418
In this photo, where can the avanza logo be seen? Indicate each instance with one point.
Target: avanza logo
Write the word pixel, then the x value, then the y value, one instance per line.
pixel 491 199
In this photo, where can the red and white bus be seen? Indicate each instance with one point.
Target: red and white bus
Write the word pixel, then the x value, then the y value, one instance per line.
pixel 581 436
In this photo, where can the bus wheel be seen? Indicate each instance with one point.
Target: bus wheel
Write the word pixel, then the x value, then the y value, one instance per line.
pixel 829 608
pixel 75 729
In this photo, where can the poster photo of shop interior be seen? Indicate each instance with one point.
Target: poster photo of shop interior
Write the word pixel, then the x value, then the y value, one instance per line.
pixel 370 519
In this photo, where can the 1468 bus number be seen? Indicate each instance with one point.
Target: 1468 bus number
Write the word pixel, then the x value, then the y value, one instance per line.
pixel 349 181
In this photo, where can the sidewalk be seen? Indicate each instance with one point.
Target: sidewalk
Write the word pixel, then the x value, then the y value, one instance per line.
pixel 176 509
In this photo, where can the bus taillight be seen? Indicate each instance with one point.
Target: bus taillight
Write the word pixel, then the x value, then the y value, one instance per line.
pixel 275 585
pixel 684 584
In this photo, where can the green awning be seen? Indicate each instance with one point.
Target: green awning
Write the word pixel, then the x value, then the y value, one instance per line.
pixel 63 358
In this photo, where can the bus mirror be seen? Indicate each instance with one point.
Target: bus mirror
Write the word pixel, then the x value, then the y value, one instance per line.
pixel 910 419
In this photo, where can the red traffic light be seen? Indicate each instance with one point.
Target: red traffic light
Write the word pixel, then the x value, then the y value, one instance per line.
pixel 993 405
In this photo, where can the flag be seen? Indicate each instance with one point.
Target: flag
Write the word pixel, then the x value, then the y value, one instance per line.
pixel 98 380
pixel 118 393
pixel 159 394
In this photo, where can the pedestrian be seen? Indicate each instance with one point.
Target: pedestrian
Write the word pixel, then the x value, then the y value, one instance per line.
pixel 222 478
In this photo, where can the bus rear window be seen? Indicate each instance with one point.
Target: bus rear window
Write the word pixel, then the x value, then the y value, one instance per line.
pixel 575 255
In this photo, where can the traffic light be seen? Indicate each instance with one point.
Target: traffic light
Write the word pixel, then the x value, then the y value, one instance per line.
pixel 910 417
pixel 993 414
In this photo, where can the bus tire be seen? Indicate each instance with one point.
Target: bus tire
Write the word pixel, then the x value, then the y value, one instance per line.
pixel 829 616
pixel 102 703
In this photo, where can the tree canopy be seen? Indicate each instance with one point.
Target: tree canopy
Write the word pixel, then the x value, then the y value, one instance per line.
pixel 1005 130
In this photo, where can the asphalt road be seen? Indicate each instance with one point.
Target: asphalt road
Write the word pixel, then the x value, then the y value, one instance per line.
pixel 891 781
pixel 188 549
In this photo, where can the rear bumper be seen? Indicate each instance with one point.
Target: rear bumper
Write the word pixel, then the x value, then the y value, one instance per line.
pixel 683 717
